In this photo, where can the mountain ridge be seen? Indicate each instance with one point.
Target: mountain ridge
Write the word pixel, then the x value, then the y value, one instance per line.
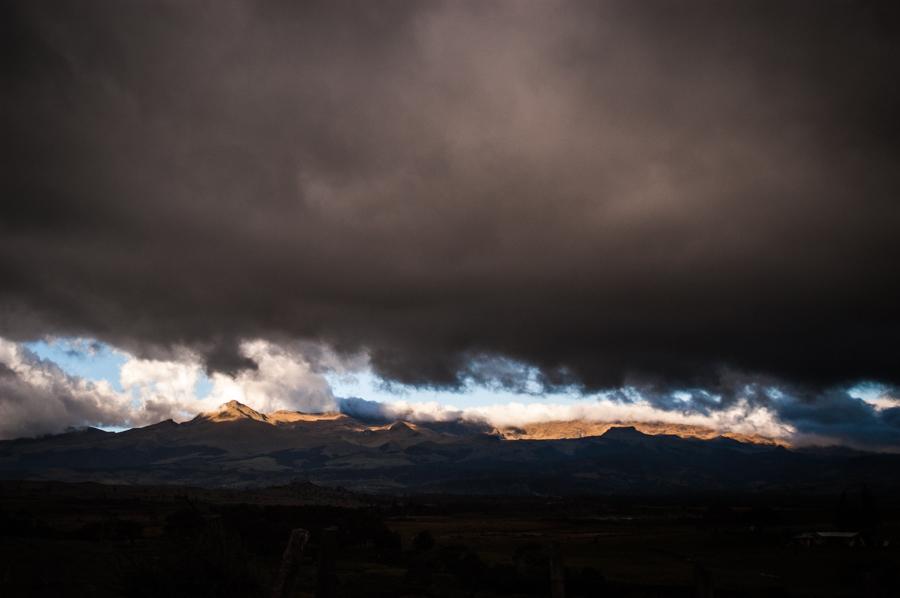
pixel 558 429
pixel 547 430
pixel 237 446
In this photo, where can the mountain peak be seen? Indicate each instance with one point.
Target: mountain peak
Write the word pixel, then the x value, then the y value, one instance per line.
pixel 402 427
pixel 623 433
pixel 232 411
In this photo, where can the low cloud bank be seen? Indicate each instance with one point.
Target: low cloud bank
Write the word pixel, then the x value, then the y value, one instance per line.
pixel 872 424
pixel 39 397
pixel 741 418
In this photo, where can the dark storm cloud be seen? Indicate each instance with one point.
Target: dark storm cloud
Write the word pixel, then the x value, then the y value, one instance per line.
pixel 837 415
pixel 611 192
pixel 817 415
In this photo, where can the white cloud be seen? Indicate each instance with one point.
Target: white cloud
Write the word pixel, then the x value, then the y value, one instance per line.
pixel 163 389
pixel 283 379
pixel 742 418
pixel 882 402
pixel 37 397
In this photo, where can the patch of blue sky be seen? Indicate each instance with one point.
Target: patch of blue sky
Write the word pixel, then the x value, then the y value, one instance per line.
pixel 367 385
pixel 203 386
pixel 85 358
pixel 96 361
pixel 116 429
pixel 682 396
pixel 775 393
pixel 868 391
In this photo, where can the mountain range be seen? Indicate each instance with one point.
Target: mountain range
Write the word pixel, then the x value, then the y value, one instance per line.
pixel 236 446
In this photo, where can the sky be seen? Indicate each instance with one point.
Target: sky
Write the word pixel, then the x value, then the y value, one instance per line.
pixel 99 362
pixel 688 208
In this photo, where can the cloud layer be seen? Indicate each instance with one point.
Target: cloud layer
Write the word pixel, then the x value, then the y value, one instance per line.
pixel 38 397
pixel 617 193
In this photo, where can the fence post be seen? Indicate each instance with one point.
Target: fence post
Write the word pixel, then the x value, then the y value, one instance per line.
pixel 557 573
pixel 290 562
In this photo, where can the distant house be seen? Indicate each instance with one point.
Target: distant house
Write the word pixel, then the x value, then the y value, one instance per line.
pixel 845 539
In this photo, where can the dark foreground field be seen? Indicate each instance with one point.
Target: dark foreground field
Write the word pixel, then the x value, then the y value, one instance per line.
pixel 96 540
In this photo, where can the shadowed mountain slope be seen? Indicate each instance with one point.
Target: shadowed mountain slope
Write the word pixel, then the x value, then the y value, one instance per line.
pixel 236 446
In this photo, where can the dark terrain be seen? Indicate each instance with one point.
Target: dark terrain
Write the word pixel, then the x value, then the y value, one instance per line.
pixel 238 503
pixel 236 447
pixel 86 539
